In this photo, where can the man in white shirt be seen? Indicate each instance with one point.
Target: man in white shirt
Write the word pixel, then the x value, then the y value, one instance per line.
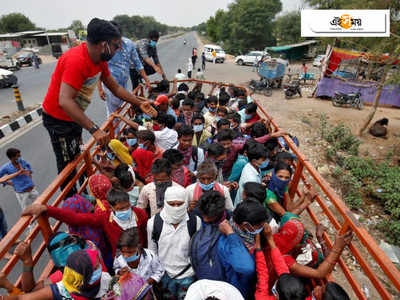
pixel 207 175
pixel 166 138
pixel 203 289
pixel 257 156
pixel 169 234
pixel 180 76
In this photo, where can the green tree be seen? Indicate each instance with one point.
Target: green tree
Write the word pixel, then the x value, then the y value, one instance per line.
pixel 76 26
pixel 246 25
pixel 16 22
pixel 287 28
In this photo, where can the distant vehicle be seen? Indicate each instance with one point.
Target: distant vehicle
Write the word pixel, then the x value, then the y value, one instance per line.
pixel 26 58
pixel 208 49
pixel 7 78
pixel 56 50
pixel 250 58
pixel 9 63
pixel 318 60
pixel 292 89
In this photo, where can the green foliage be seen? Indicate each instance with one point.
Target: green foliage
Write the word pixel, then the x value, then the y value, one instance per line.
pixel 15 22
pixel 246 25
pixel 76 26
pixel 351 188
pixel 364 169
pixel 138 27
pixel 341 138
pixel 391 228
pixel 287 28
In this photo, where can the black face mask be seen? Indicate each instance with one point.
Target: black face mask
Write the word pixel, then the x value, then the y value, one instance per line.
pixel 106 56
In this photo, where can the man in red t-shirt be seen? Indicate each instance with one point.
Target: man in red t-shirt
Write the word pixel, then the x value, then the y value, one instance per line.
pixel 71 88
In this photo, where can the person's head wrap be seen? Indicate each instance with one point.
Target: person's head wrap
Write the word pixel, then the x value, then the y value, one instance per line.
pixel 291 233
pixel 121 152
pixel 130 286
pixel 278 186
pixel 174 214
pixel 99 30
pixel 78 272
pixel 99 185
pixel 61 245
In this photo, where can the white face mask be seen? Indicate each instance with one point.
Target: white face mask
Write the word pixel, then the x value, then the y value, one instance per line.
pixel 174 214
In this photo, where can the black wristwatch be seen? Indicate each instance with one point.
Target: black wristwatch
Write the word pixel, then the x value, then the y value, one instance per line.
pixel 93 129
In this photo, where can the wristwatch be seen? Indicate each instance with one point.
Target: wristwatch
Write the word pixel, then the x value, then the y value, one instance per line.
pixel 93 129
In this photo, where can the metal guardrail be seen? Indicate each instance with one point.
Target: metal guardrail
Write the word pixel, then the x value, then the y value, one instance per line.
pixel 303 169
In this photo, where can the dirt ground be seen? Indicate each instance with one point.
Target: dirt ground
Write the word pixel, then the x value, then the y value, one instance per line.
pixel 301 117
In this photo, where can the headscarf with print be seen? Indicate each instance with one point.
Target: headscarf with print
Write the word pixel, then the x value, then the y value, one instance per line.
pixel 121 151
pixel 129 286
pixel 77 273
pixel 99 186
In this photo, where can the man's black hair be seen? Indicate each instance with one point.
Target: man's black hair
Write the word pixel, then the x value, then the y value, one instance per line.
pixel 179 71
pixel 215 150
pixel 198 116
pixel 211 204
pixel 225 134
pixel 129 238
pixel 255 190
pixel 281 156
pixel 180 96
pixel 290 287
pixel 99 30
pixel 224 99
pixel 333 291
pixel 130 130
pixel 161 165
pixel 250 211
pixel 183 87
pixel 115 196
pixel 235 117
pixel 280 165
pixel 146 135
pixel 161 118
pixel 242 104
pixel 256 151
pixel 198 70
pixel 174 156
pixel 116 24
pixel 257 130
pixel 175 103
pixel 191 95
pixel 212 99
pixel 271 144
pixel 223 110
pixel 251 108
pixel 154 34
pixel 200 96
pixel 188 102
pixel 223 122
pixel 163 86
pixel 170 122
pixel 124 176
pixel 185 130
pixel 12 152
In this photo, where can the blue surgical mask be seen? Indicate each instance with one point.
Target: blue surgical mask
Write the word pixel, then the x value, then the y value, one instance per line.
pixel 264 164
pixel 212 109
pixel 152 43
pixel 217 119
pixel 142 146
pixel 96 275
pixel 124 215
pixel 198 128
pixel 207 187
pixel 19 160
pixel 248 117
pixel 132 258
pixel 134 195
pixel 110 156
pixel 255 232
pixel 131 142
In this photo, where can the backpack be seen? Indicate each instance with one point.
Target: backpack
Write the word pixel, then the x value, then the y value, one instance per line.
pixel 158 225
pixel 203 252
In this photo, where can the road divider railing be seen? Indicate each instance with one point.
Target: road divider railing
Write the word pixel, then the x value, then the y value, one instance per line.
pixel 340 221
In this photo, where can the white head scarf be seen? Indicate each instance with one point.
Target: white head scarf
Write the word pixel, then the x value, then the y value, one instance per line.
pixel 174 214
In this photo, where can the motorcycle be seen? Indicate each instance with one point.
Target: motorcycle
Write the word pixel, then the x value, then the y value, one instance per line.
pixel 353 100
pixel 292 89
pixel 263 85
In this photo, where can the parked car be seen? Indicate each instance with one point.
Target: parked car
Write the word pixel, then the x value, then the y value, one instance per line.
pixel 26 58
pixel 208 49
pixel 9 63
pixel 250 58
pixel 318 60
pixel 7 78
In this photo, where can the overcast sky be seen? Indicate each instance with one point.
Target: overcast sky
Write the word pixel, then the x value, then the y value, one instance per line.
pixel 53 14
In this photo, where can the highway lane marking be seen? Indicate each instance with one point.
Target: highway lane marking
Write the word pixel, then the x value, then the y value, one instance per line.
pixel 20 132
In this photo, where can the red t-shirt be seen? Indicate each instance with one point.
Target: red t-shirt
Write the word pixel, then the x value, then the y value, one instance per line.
pixel 76 69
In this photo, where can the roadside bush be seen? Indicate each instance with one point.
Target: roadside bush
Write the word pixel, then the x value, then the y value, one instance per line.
pixel 391 228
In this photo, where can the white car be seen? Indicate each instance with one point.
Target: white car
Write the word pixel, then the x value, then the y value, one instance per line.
pixel 208 49
pixel 7 78
pixel 318 60
pixel 250 58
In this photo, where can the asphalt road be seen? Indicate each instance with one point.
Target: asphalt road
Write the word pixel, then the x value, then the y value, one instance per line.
pixel 35 143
